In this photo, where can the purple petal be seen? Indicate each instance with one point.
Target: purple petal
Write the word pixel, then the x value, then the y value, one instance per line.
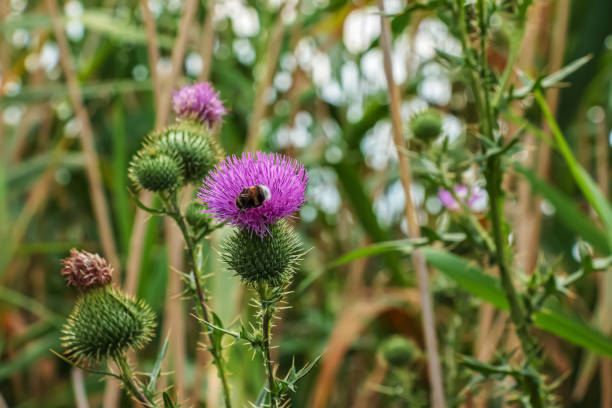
pixel 199 102
pixel 285 177
pixel 447 199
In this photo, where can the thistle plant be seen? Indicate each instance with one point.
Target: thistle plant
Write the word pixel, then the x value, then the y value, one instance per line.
pixel 400 356
pixel 169 161
pixel 263 250
pixel 105 323
pixel 255 193
pixel 472 23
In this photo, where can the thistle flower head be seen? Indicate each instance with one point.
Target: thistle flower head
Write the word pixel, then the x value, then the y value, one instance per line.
pixel 271 259
pixel 426 125
pixel 106 323
pixel 155 170
pixel 475 198
pixel 199 102
pixel 191 144
pixel 399 351
pixel 285 180
pixel 85 270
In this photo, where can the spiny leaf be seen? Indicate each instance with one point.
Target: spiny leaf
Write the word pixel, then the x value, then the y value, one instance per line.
pixel 472 278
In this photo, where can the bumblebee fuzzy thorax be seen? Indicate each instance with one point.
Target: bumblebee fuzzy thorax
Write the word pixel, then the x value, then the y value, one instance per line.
pixel 253 197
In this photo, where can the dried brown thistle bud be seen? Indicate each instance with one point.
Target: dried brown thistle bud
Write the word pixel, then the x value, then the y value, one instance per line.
pixel 85 270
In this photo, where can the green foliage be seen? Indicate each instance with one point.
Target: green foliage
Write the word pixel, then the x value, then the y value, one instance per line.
pixel 105 323
pixel 272 259
pixel 472 278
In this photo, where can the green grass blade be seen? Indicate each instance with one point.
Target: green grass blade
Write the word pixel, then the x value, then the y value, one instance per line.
pixel 473 279
pixel 569 214
pixel 586 184
pixel 121 199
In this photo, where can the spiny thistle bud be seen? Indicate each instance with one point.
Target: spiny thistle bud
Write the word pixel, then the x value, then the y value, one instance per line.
pixel 85 270
pixel 426 125
pixel 399 351
pixel 195 218
pixel 191 144
pixel 155 170
pixel 272 258
pixel 106 323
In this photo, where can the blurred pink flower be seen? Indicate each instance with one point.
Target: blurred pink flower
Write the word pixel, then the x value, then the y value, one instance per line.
pixel 475 198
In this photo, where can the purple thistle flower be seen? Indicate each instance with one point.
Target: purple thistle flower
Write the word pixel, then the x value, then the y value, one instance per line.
pixel 199 102
pixel 475 198
pixel 285 177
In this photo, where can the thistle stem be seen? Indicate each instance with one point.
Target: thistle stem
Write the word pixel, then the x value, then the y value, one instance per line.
pixel 215 350
pixel 266 351
pixel 493 175
pixel 130 382
pixel 267 313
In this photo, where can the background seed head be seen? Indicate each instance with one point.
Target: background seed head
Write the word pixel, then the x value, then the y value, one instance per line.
pixel 399 351
pixel 426 125
pixel 192 144
pixel 85 270
pixel 272 259
pixel 106 323
pixel 156 171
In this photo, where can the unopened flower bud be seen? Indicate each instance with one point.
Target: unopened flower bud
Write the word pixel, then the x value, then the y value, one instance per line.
pixel 106 323
pixel 399 351
pixel 426 125
pixel 155 171
pixel 191 144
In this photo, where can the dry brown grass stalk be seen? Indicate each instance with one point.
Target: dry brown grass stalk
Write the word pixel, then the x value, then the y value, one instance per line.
pixel 174 316
pixel 208 41
pixel 557 48
pixel 92 165
pixel 418 260
pixel 162 88
pixel 259 107
pixel 78 387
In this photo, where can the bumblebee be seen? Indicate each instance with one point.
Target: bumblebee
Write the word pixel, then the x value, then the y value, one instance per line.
pixel 252 197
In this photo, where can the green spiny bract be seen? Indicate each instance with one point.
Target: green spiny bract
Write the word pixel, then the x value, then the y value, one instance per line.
pixel 192 144
pixel 154 170
pixel 106 323
pixel 399 351
pixel 195 218
pixel 426 125
pixel 271 259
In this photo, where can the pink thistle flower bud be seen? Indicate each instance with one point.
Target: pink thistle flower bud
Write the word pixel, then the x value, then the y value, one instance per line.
pixel 85 270
pixel 199 102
